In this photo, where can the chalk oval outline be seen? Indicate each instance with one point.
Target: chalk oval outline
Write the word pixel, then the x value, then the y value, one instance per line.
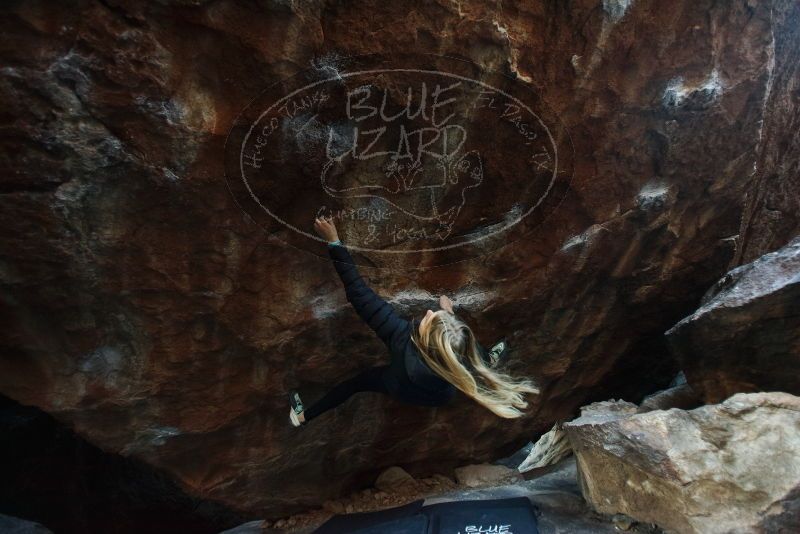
pixel 339 77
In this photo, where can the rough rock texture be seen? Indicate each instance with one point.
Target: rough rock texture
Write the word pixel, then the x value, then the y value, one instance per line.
pixel 551 448
pixel 393 478
pixel 731 467
pixel 683 397
pixel 608 410
pixel 142 308
pixel 482 474
pixel 772 211
pixel 746 334
pixel 679 394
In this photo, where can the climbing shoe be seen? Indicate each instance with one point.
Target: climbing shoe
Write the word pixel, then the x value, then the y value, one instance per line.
pixel 296 408
pixel 498 353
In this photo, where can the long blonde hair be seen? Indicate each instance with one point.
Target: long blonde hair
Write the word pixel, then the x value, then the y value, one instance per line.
pixel 450 349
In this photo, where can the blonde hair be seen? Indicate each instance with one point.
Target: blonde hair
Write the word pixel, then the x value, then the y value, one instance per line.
pixel 450 349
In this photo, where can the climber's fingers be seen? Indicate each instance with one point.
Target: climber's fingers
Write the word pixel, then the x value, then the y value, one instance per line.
pixel 325 227
pixel 445 303
pixel 322 223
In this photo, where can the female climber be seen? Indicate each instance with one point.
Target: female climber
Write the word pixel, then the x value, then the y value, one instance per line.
pixel 430 358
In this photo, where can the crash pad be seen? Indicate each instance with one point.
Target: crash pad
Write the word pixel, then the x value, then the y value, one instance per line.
pixel 496 516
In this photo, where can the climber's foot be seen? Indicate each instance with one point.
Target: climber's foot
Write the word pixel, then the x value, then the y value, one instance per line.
pixel 296 415
pixel 499 352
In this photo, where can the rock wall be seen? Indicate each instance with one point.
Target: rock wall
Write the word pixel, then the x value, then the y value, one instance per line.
pixel 772 210
pixel 745 336
pixel 142 308
pixel 730 467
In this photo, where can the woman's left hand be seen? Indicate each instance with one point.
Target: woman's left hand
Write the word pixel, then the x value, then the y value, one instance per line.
pixel 326 229
pixel 445 303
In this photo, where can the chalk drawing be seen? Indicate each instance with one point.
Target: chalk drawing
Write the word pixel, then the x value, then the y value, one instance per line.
pixel 400 153
pixel 488 529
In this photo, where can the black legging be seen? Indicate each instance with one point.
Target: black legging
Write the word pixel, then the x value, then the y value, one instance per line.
pixel 371 379
pixel 368 380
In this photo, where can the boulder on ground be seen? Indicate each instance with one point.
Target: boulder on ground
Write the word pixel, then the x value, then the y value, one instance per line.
pixel 731 467
pixel 745 336
pixel 481 474
pixel 393 479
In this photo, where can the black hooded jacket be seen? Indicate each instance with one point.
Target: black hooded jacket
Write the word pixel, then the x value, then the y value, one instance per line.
pixel 409 377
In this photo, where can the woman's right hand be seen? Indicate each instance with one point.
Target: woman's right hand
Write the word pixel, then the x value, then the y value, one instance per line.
pixel 326 229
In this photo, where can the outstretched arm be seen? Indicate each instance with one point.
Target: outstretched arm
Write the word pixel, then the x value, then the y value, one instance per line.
pixel 376 312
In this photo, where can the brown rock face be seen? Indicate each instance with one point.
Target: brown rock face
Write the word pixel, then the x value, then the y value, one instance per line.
pixel 144 309
pixel 772 211
pixel 746 334
pixel 682 396
pixel 731 467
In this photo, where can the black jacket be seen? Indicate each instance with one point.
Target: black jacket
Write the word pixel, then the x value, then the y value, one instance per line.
pixel 410 378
